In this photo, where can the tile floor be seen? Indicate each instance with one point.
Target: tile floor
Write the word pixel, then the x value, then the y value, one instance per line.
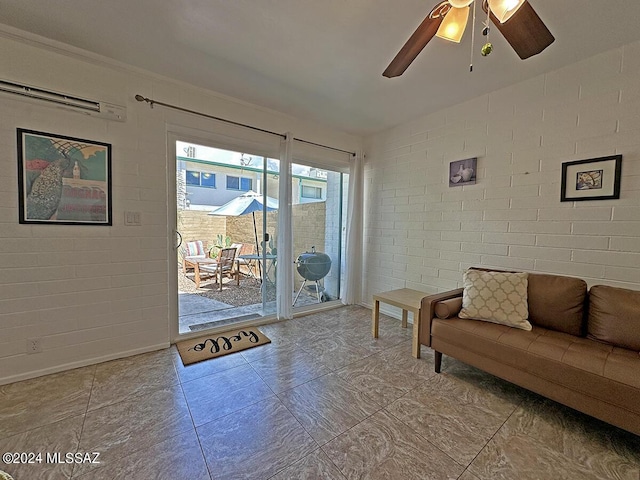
pixel 322 401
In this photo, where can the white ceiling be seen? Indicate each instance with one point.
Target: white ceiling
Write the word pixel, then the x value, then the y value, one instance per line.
pixel 321 60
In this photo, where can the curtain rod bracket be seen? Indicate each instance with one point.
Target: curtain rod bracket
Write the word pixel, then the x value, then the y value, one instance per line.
pixel 140 98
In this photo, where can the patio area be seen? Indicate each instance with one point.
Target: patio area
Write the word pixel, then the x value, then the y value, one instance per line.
pixel 239 223
pixel 207 306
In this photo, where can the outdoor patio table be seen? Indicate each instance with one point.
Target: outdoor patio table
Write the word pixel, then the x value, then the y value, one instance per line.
pixel 270 259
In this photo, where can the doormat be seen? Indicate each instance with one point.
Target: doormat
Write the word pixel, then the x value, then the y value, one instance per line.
pixel 211 346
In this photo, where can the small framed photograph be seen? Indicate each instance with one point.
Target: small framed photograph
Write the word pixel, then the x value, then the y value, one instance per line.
pixel 63 180
pixel 463 172
pixel 592 179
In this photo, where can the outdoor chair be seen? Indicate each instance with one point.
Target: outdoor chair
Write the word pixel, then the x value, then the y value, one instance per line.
pixel 244 249
pixel 225 264
pixel 191 253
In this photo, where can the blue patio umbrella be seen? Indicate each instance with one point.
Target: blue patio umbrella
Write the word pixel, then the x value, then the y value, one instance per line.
pixel 249 202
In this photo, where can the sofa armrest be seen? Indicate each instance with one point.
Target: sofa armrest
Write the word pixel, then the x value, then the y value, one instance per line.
pixel 427 310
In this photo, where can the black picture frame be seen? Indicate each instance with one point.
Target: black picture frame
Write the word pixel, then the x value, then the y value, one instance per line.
pixel 591 179
pixel 63 180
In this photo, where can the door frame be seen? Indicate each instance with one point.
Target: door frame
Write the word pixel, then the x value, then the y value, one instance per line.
pixel 176 133
pixel 229 138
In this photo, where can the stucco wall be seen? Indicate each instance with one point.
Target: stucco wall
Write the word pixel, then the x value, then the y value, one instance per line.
pixel 309 222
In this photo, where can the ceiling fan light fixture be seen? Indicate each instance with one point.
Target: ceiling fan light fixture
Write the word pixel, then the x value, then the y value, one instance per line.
pixel 453 25
pixel 460 3
pixel 504 9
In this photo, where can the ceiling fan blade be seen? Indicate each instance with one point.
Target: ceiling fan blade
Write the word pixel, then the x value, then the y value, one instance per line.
pixel 525 31
pixel 423 34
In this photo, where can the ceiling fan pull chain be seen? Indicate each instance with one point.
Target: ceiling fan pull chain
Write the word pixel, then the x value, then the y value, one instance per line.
pixel 473 37
pixel 487 48
pixel 488 20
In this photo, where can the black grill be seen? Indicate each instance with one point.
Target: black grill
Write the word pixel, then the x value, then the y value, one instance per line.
pixel 313 266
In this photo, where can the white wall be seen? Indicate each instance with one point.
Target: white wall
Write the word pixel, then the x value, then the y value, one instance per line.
pixel 422 234
pixel 94 293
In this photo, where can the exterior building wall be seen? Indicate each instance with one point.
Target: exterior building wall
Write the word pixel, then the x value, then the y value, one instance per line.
pixel 308 231
pixel 299 183
pixel 333 234
pixel 215 197
pixel 309 227
pixel 200 195
pixel 199 225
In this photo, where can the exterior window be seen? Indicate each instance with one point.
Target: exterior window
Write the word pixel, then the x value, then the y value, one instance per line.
pixel 239 183
pixel 201 179
pixel 193 178
pixel 311 192
pixel 208 180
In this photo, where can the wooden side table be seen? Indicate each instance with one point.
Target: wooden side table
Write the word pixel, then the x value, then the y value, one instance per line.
pixel 409 301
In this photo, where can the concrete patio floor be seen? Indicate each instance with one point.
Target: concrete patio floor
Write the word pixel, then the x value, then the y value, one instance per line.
pixel 197 312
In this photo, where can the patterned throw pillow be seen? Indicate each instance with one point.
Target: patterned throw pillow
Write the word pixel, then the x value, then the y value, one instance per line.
pixel 195 249
pixel 496 297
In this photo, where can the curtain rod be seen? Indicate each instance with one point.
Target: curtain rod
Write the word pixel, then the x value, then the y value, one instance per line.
pixel 152 102
pixel 324 146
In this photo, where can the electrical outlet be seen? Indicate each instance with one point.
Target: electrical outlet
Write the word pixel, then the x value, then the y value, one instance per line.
pixel 34 345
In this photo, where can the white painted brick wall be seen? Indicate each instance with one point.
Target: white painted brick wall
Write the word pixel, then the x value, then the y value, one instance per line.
pixel 96 293
pixel 512 218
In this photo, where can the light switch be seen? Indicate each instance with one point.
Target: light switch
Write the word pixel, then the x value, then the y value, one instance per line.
pixel 132 218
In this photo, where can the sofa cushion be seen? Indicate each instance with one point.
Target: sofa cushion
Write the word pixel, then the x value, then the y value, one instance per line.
pixel 497 297
pixel 614 316
pixel 557 302
pixel 597 370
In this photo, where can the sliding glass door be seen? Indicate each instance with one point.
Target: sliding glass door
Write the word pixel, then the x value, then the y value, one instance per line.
pixel 318 223
pixel 226 204
pixel 229 198
pixel 269 251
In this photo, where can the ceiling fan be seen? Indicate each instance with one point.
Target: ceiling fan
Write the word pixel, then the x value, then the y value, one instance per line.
pixel 515 19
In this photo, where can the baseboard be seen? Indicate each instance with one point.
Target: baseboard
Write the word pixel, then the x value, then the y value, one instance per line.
pixel 317 307
pixel 82 363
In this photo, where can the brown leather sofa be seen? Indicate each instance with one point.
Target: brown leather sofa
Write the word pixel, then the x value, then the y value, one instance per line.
pixel 583 350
